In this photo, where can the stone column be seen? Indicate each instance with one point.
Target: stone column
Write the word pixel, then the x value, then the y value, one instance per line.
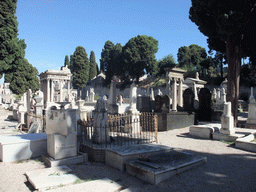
pixel 39 111
pixel 223 95
pixel 100 123
pixel 174 97
pixel 52 90
pixel 168 86
pixel 60 84
pixel 218 94
pixel 214 94
pixel 120 100
pixel 180 94
pixel 113 108
pixel 152 97
pixel 48 90
pixel 195 91
pixel 69 99
pixel 133 110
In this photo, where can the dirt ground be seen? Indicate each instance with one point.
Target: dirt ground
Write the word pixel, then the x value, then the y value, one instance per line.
pixel 226 169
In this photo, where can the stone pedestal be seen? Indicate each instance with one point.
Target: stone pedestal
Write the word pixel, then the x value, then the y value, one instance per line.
pixel 227 120
pixel 21 114
pixel 112 106
pixel 59 146
pixel 61 133
pixel 133 109
pixel 100 123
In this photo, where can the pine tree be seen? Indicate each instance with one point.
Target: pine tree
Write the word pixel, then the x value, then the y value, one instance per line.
pixel 80 68
pixel 93 66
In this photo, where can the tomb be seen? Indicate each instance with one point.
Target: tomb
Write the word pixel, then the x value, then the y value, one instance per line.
pixel 22 147
pixel 55 84
pixel 116 157
pixel 201 131
pixel 156 168
pixel 62 137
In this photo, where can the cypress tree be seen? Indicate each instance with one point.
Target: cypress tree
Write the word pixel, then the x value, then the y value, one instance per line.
pixel 80 68
pixel 66 62
pixel 24 78
pixel 19 73
pixel 93 66
pixel 8 34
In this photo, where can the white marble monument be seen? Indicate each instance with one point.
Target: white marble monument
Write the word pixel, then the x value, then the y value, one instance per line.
pixel 227 120
pixel 61 133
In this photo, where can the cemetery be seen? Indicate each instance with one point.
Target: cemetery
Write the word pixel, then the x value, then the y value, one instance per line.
pixel 65 126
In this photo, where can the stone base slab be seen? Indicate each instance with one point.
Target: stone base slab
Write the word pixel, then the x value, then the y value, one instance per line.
pixel 65 161
pixel 43 179
pixel 201 131
pixel 230 138
pixel 246 143
pixel 162 166
pixel 21 147
pixel 117 157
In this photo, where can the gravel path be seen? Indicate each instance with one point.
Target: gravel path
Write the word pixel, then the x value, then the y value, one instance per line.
pixel 227 168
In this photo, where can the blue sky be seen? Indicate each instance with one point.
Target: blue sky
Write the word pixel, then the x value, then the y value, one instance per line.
pixel 54 28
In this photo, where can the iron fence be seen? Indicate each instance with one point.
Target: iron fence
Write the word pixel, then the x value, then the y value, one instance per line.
pixel 120 130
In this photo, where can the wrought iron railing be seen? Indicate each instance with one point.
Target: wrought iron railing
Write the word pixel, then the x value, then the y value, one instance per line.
pixel 121 129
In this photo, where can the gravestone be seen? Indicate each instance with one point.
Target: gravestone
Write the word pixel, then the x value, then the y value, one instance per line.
pixel 161 100
pixel 143 104
pixel 34 128
pixel 205 111
pixel 100 123
pixel 188 100
pixel 112 106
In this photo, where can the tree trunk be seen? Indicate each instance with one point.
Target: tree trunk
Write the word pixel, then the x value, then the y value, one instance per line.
pixel 221 67
pixel 234 55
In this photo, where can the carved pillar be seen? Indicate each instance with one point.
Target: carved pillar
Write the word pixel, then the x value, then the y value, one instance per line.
pixel 52 90
pixel 168 86
pixel 48 90
pixel 68 90
pixel 174 98
pixel 60 84
pixel 180 94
